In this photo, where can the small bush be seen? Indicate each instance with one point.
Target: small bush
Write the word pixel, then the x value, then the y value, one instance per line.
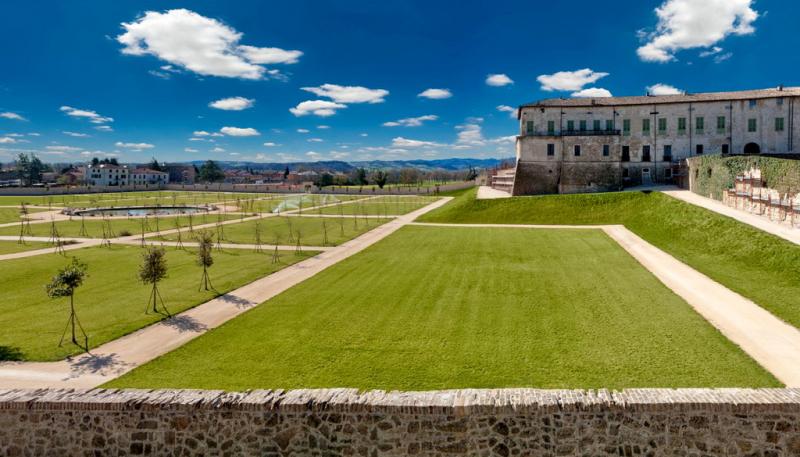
pixel 125 233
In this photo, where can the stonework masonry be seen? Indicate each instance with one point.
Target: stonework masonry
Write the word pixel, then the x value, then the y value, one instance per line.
pixel 334 422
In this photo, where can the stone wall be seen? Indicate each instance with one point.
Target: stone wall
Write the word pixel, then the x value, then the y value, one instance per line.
pixel 332 422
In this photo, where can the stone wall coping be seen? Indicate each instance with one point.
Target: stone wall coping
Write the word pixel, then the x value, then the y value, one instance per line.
pixel 449 402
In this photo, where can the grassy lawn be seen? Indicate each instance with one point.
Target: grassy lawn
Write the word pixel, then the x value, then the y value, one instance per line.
pixel 757 265
pixel 435 308
pixel 133 226
pixel 310 228
pixel 10 247
pixel 112 301
pixel 380 206
pixel 12 214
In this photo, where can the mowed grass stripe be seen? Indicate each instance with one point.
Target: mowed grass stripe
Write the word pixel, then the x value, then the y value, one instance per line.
pixel 749 261
pixel 112 301
pixel 438 308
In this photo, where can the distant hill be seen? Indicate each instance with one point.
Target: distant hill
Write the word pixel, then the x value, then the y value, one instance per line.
pixel 453 164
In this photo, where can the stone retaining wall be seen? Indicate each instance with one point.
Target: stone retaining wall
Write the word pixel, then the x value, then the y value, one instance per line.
pixel 692 422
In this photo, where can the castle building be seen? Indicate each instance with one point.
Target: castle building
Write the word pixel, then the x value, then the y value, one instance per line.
pixel 602 144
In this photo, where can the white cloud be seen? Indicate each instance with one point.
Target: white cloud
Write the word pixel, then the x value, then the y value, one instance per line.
pixel 14 116
pixel 663 89
pixel 313 155
pixel 364 134
pixel 436 94
pixel 569 80
pixel 400 142
pixel 303 130
pixel 498 80
pixel 512 112
pixel 270 144
pixel 91 116
pixel 75 134
pixel 411 121
pixel 239 131
pixel 315 140
pixel 323 127
pixel 711 52
pixel 348 94
pixel 270 55
pixel 7 140
pixel 190 150
pixel 203 45
pixel 218 149
pixel 469 135
pixel 232 103
pixel 134 146
pixel 687 24
pixel 63 148
pixel 723 57
pixel 591 92
pixel 104 128
pixel 322 108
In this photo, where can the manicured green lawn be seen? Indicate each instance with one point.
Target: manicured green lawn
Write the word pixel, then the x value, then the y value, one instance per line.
pixel 390 206
pixel 438 308
pixel 10 247
pixel 12 214
pixel 112 301
pixel 133 226
pixel 310 228
pixel 757 265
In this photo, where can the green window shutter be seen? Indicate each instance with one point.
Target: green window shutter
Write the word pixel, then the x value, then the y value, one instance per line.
pixel 681 125
pixel 609 124
pixel 626 126
pixel 662 125
pixel 582 125
pixel 529 127
pixel 752 125
pixel 699 124
pixel 596 125
pixel 571 126
pixel 551 127
pixel 720 122
pixel 779 124
pixel 646 125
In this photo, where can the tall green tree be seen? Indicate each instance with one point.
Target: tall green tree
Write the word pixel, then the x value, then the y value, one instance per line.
pixel 361 177
pixel 64 284
pixel 210 171
pixel 380 177
pixel 154 165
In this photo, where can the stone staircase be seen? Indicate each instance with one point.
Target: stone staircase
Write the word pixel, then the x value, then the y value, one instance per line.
pixel 504 180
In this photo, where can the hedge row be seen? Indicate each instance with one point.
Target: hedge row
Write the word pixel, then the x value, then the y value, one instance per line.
pixel 712 174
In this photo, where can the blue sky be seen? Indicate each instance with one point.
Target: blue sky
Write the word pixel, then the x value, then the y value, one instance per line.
pixel 135 79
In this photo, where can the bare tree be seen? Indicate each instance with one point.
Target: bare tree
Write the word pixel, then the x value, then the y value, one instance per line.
pixel 205 240
pixel 258 237
pixel 153 270
pixel 64 284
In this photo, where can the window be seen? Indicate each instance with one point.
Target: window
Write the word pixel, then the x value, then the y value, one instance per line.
pixel 681 125
pixel 606 150
pixel 577 150
pixel 626 154
pixel 551 127
pixel 571 126
pixel 698 149
pixel 609 124
pixel 551 149
pixel 699 124
pixel 724 148
pixel 779 124
pixel 720 124
pixel 624 172
pixel 752 103
pixel 646 153
pixel 668 173
pixel 582 126
pixel 626 126
pixel 529 128
pixel 646 126
pixel 667 153
pixel 662 125
pixel 596 125
pixel 779 101
pixel 752 125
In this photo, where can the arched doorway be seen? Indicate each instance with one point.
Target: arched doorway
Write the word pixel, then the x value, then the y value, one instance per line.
pixel 752 148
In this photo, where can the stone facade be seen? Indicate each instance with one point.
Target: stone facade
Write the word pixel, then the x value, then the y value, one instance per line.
pixel 334 422
pixel 643 137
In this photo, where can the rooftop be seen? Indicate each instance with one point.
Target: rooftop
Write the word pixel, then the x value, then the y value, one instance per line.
pixel 658 99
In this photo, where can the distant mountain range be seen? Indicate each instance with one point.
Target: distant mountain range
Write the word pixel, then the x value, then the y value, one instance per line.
pixel 453 164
